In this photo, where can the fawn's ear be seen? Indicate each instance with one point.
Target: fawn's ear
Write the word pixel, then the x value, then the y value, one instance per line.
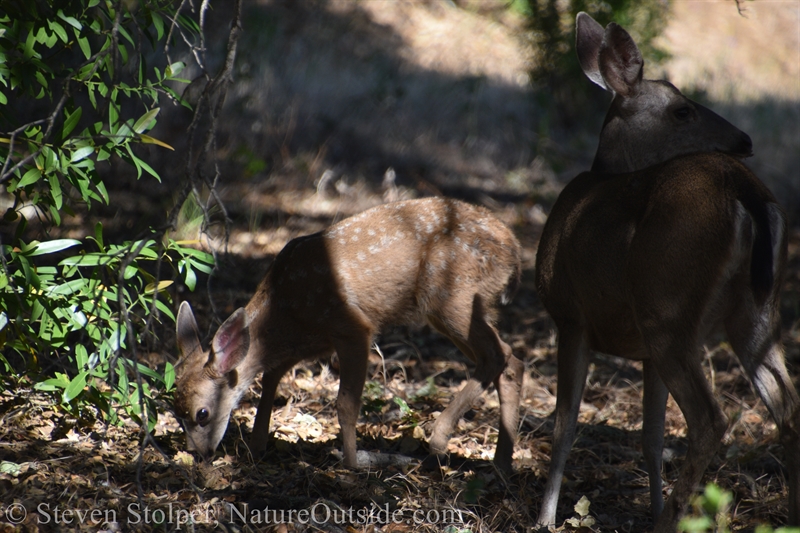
pixel 231 343
pixel 187 336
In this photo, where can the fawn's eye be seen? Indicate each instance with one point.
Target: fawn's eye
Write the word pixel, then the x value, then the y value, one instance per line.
pixel 202 416
pixel 682 113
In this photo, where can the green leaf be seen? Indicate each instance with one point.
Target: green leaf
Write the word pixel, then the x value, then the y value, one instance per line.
pixel 169 376
pixel 3 99
pixel 61 381
pixel 103 155
pixel 41 79
pixel 101 188
pixel 9 468
pixel 55 190
pixel 49 247
pixel 149 372
pixel 191 278
pixel 123 133
pixel 83 42
pixel 42 35
pixel 166 310
pixel 135 160
pixel 697 524
pixel 199 257
pixel 31 176
pixel 51 40
pixel 54 212
pixel 81 357
pixel 147 249
pixel 29 50
pixel 149 170
pixel 127 35
pixel 174 69
pixel 50 160
pixel 123 52
pixel 113 116
pixel 75 387
pixel 81 153
pixel 88 260
pixel 158 23
pixel 98 235
pixel 70 287
pixel 130 271
pixel 144 121
pixel 405 410
pixel 58 29
pixel 81 181
pixel 72 21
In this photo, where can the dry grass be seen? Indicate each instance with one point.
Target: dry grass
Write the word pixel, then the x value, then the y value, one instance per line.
pixel 741 57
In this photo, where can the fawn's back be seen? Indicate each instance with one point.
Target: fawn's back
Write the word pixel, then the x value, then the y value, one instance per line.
pixel 396 264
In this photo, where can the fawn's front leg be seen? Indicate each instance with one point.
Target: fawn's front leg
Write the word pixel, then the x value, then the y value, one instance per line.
pixel 269 384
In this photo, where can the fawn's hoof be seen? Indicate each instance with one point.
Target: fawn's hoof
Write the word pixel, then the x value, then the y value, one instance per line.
pixel 438 444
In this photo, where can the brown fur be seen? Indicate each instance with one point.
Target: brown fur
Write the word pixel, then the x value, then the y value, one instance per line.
pixel 432 259
pixel 652 252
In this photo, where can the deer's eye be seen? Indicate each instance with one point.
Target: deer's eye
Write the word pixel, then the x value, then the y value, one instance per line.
pixel 202 416
pixel 682 113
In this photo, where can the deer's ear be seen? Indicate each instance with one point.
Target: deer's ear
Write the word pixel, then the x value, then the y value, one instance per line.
pixel 231 343
pixel 588 40
pixel 188 338
pixel 620 61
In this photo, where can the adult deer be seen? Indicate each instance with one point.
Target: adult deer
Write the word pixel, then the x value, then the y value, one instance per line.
pixel 437 259
pixel 653 251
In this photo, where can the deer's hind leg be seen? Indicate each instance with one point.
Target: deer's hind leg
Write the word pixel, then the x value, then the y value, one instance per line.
pixel 654 410
pixel 676 357
pixel 574 357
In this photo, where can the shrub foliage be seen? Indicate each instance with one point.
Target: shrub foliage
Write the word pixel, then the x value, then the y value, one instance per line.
pixel 78 95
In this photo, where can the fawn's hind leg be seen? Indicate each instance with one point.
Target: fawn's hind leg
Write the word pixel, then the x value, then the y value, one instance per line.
pixel 494 362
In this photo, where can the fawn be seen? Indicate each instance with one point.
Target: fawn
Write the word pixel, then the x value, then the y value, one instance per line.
pixel 433 259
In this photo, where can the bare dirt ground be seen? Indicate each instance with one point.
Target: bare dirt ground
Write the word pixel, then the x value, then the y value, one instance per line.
pixel 417 96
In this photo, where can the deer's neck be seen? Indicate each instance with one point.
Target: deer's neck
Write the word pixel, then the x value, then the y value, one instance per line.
pixel 623 149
